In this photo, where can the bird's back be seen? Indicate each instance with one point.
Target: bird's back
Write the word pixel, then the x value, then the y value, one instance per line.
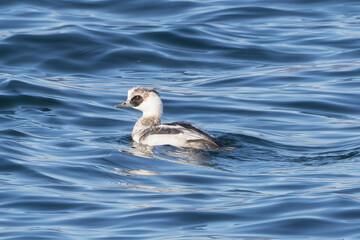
pixel 178 134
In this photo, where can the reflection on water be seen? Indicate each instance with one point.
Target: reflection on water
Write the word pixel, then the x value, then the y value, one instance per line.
pixel 170 153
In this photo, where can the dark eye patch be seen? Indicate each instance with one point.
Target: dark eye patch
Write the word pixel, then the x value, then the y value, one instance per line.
pixel 136 100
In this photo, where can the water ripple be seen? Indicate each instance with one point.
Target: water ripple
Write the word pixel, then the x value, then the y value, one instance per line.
pixel 276 82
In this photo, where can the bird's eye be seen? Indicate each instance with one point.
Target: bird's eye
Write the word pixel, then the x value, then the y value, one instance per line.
pixel 136 100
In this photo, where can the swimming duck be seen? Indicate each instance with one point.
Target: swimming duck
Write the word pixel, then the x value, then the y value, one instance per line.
pixel 149 130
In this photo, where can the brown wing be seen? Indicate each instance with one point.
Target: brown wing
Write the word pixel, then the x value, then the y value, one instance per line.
pixel 158 130
pixel 207 136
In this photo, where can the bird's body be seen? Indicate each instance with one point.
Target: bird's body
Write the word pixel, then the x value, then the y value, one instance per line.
pixel 149 130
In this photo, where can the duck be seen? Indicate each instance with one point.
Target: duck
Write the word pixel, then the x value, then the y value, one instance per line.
pixel 149 130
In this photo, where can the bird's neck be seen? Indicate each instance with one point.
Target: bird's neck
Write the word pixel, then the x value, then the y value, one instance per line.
pixel 151 117
pixel 152 114
pixel 147 121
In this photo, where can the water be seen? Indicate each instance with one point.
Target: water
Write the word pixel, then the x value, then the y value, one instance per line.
pixel 278 82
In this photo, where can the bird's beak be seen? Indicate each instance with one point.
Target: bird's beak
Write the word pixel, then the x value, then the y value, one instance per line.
pixel 124 105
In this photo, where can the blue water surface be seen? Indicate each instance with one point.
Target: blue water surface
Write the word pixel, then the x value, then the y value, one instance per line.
pixel 277 82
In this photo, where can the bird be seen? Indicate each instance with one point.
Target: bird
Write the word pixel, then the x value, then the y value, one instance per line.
pixel 149 130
